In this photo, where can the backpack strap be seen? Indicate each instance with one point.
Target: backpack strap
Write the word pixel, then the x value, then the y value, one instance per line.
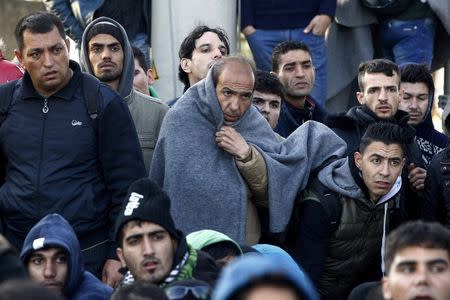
pixel 330 201
pixel 91 87
pixel 6 93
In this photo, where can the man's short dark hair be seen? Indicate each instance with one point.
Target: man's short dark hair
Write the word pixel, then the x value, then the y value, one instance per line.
pixel 285 47
pixel 219 65
pixel 385 132
pixel 416 234
pixel 274 280
pixel 221 249
pixel 139 56
pixel 37 22
pixel 417 73
pixel 188 45
pixel 379 65
pixel 139 290
pixel 268 83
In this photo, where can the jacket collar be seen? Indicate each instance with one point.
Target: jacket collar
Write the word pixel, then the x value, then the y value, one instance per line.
pixel 66 93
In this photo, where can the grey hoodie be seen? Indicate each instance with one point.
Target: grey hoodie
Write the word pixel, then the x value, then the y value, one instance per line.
pixel 147 112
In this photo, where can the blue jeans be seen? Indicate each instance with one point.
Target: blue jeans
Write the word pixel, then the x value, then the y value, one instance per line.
pixel 407 41
pixel 262 43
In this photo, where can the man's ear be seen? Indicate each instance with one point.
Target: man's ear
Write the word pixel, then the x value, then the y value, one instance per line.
pixel 386 288
pixel 119 253
pixel 150 76
pixel 68 44
pixel 358 158
pixel 185 64
pixel 361 98
pixel 19 57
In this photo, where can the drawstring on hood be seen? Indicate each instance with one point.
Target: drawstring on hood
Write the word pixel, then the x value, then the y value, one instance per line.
pixel 104 25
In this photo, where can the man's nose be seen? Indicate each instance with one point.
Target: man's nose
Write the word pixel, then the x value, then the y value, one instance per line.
pixel 48 59
pixel 49 270
pixel 413 103
pixel 234 104
pixel 383 94
pixel 385 169
pixel 299 71
pixel 265 107
pixel 147 247
pixel 217 54
pixel 106 53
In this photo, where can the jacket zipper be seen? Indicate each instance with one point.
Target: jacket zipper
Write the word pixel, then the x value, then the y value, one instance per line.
pixel 45 111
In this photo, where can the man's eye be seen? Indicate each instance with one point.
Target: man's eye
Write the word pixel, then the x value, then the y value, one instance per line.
pixel 61 259
pixel 406 269
pixel 257 101
pixel 438 268
pixel 204 50
pixel 132 241
pixel 37 261
pixel 227 93
pixel 57 50
pixel 223 51
pixel 392 89
pixel 115 48
pixel 376 161
pixel 274 105
pixel 35 55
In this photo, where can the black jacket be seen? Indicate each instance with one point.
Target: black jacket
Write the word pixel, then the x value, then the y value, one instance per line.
pixel 436 205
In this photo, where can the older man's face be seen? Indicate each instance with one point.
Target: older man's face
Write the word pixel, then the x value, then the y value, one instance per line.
pixel 234 91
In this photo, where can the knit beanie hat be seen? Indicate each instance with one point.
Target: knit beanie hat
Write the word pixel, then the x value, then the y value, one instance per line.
pixel 105 27
pixel 146 201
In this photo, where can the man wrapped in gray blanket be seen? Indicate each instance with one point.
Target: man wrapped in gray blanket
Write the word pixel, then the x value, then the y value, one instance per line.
pixel 217 157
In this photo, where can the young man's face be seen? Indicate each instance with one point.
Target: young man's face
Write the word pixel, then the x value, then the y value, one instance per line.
pixel 381 94
pixel 140 81
pixel 269 105
pixel 414 101
pixel 234 91
pixel 380 165
pixel 296 73
pixel 418 273
pixel 49 267
pixel 45 57
pixel 147 251
pixel 208 49
pixel 106 57
pixel 268 292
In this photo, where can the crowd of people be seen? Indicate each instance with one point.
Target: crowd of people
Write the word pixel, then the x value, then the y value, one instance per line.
pixel 245 187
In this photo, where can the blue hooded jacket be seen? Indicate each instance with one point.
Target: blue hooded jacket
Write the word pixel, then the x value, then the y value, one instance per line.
pixel 56 232
pixel 245 269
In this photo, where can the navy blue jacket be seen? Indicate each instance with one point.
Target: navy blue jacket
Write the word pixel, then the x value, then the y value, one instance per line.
pixel 58 162
pixel 55 232
pixel 283 14
pixel 291 117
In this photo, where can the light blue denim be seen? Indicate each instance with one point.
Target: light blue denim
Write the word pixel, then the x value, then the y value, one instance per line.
pixel 407 41
pixel 262 43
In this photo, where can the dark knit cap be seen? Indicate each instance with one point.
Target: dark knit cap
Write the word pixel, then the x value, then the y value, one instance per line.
pixel 146 201
pixel 105 27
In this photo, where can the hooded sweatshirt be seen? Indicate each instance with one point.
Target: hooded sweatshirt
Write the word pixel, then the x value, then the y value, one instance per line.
pixel 430 140
pixel 250 267
pixel 54 231
pixel 147 112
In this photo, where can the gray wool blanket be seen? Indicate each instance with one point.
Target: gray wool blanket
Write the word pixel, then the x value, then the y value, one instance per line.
pixel 202 180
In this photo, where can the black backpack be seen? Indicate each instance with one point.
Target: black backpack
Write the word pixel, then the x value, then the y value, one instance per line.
pixel 386 7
